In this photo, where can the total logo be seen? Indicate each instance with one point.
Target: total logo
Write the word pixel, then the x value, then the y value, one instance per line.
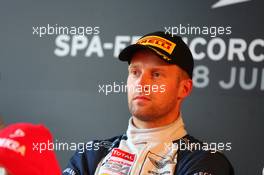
pixel 118 162
pixel 222 3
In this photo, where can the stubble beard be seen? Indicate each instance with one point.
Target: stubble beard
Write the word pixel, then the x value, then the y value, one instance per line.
pixel 150 113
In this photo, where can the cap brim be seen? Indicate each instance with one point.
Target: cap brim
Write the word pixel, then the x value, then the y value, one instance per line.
pixel 128 52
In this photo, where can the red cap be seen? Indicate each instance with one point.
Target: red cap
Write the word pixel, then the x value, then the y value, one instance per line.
pixel 19 150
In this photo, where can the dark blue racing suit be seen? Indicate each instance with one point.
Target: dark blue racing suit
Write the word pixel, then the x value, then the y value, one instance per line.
pixel 106 154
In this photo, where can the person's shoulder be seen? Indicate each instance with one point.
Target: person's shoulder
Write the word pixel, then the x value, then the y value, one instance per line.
pixel 107 143
pixel 99 146
pixel 88 155
pixel 196 157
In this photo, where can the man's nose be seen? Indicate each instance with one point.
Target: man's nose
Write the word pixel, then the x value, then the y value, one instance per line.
pixel 143 81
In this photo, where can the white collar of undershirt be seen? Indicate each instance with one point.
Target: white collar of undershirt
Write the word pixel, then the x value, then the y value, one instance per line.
pixel 171 132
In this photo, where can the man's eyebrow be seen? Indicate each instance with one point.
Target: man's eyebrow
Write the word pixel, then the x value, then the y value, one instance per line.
pixel 159 68
pixel 133 66
pixel 154 68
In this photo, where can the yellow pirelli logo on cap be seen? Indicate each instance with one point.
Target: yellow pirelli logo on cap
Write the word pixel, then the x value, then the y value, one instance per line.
pixel 159 42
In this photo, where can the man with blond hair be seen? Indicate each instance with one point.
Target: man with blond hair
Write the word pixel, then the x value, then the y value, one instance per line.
pixel 156 141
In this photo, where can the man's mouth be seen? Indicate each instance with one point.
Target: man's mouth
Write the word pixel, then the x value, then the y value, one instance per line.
pixel 141 97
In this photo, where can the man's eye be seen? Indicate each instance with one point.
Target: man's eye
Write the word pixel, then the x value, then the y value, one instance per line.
pixel 156 74
pixel 133 72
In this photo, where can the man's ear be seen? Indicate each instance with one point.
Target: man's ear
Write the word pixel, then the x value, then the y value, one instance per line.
pixel 185 88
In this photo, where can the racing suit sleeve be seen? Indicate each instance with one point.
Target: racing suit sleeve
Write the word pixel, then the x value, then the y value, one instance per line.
pixel 205 163
pixel 86 159
pixel 77 165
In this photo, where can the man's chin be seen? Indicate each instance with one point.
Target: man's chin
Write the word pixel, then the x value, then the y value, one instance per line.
pixel 142 112
pixel 143 118
pixel 141 103
pixel 142 115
